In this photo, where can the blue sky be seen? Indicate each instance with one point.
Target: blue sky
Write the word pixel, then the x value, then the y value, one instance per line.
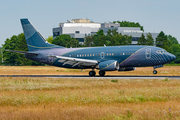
pixel 154 15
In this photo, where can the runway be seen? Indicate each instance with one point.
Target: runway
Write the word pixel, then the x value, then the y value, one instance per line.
pixel 96 77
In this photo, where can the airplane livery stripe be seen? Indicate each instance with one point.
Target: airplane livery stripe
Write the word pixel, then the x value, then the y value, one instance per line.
pixel 131 55
pixel 42 47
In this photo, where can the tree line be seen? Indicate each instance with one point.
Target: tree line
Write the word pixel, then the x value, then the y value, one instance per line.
pixel 112 38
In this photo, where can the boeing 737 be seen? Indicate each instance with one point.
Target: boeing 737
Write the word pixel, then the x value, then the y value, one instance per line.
pixel 112 58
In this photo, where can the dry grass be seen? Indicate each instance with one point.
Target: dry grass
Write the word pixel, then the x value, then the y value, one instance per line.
pixel 60 98
pixel 50 70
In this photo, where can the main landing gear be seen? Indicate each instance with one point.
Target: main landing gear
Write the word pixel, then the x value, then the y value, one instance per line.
pixel 93 73
pixel 102 73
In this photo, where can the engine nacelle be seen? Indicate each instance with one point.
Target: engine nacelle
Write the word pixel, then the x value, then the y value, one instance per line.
pixel 127 69
pixel 110 65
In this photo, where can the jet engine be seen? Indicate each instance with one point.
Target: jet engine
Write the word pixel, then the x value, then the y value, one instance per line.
pixel 110 65
pixel 127 69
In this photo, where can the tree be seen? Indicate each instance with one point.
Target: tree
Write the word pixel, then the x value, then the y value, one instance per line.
pixel 142 40
pixel 66 41
pixel 99 38
pixel 161 41
pixel 50 39
pixel 125 40
pixel 129 24
pixel 177 60
pixel 17 43
pixel 172 39
pixel 73 43
pixel 115 38
pixel 1 55
pixel 150 40
pixel 88 41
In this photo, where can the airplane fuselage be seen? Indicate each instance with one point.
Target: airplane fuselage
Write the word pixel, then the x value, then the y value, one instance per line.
pixel 126 56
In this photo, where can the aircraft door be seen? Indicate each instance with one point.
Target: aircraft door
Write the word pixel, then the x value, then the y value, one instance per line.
pixel 148 53
pixel 102 55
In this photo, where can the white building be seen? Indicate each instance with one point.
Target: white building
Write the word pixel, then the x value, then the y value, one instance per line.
pixel 77 28
pixel 80 28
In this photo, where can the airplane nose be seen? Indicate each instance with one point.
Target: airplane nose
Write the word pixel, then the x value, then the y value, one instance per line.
pixel 173 57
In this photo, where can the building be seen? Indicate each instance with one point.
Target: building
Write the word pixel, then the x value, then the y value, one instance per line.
pixel 80 28
pixel 77 28
pixel 135 32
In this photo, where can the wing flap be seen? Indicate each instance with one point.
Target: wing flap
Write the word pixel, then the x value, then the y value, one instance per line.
pixel 75 61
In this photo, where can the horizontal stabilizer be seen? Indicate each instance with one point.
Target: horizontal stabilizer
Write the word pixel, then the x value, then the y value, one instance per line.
pixel 23 52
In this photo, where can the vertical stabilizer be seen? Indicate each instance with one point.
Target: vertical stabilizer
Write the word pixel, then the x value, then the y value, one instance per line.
pixel 34 39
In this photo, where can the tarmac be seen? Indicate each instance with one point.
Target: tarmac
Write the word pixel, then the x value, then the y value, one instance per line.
pixel 96 77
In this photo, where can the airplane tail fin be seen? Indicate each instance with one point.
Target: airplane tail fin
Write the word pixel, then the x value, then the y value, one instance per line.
pixel 34 39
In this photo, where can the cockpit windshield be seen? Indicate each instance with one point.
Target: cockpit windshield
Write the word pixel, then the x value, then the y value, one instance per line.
pixel 161 51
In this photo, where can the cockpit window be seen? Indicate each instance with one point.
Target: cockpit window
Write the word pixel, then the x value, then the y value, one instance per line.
pixel 161 51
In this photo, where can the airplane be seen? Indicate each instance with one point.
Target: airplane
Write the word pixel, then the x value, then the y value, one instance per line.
pixel 106 58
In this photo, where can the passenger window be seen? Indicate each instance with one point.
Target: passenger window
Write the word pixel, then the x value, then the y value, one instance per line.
pixel 93 54
pixel 120 53
pixel 77 55
pixel 123 53
pixel 85 55
pixel 96 54
pixel 82 55
pixel 72 55
pixel 99 54
pixel 112 53
pixel 90 54
pixel 109 53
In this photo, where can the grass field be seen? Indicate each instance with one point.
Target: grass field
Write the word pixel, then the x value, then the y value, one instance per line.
pixel 101 99
pixel 49 70
pixel 60 98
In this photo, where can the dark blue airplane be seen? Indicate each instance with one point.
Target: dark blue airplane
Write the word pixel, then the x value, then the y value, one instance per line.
pixel 121 58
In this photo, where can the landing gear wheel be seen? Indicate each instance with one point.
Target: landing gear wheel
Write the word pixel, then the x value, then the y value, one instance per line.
pixel 102 73
pixel 154 72
pixel 92 73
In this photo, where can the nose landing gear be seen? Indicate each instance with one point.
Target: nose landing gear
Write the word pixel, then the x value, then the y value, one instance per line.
pixel 158 66
pixel 155 72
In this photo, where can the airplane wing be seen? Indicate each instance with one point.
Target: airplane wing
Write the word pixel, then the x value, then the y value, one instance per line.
pixel 23 52
pixel 75 61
